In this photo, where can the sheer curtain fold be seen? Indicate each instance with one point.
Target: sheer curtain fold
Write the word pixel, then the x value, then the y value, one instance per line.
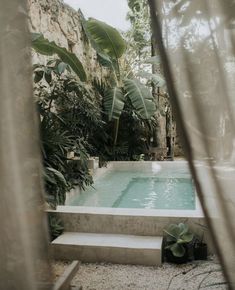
pixel 196 43
pixel 23 241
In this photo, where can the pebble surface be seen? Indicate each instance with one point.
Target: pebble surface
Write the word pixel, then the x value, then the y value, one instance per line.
pixel 191 276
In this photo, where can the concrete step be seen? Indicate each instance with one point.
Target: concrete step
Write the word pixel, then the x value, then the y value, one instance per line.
pixel 112 248
pixel 140 222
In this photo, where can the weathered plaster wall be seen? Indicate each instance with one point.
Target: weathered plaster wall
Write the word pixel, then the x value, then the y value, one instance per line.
pixel 60 23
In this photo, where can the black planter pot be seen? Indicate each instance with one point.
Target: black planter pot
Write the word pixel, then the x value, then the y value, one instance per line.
pixel 200 251
pixel 176 260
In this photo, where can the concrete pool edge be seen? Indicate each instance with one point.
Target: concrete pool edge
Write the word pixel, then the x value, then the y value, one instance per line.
pixel 197 213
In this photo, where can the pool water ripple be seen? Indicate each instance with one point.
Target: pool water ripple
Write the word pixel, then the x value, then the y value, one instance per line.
pixel 165 189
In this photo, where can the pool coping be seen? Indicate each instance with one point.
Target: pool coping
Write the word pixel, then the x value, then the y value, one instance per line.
pixel 197 213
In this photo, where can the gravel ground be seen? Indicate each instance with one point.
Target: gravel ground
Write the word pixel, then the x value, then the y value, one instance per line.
pixel 195 275
pixel 58 269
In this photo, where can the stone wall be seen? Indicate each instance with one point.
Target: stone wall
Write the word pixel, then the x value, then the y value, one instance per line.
pixel 60 23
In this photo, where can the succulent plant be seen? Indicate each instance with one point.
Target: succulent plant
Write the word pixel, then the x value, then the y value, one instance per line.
pixel 177 236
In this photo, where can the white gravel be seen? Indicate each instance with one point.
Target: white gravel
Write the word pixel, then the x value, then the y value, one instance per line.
pixel 195 275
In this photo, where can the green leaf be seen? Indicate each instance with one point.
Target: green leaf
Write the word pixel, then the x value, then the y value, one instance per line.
pixel 45 47
pixel 183 228
pixel 187 237
pixel 106 38
pixel 61 67
pixel 58 175
pixel 177 230
pixel 141 98
pixel 177 250
pixel 103 58
pixel 113 102
pixel 170 236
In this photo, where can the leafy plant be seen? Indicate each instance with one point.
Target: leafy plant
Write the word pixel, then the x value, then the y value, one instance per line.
pixel 114 103
pixel 177 236
pixel 45 47
pixel 69 116
pixel 140 97
pixel 46 72
pixel 56 226
pixel 107 38
pixel 56 186
pixel 110 46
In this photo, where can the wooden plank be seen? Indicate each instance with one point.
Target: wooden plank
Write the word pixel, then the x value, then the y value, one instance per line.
pixel 63 283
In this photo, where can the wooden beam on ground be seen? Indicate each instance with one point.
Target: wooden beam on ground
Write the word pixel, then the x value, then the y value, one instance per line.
pixel 64 281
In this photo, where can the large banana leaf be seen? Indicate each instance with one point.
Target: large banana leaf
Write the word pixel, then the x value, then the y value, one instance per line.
pixel 141 98
pixel 45 47
pixel 106 38
pixel 102 57
pixel 113 102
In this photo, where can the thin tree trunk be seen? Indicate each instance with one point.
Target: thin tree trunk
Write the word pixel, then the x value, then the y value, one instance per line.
pixel 159 136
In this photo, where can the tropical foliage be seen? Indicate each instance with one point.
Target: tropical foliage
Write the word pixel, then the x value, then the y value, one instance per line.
pixel 56 226
pixel 45 47
pixel 69 116
pixel 110 46
pixel 112 119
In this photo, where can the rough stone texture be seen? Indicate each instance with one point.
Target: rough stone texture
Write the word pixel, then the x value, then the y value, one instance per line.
pixel 60 23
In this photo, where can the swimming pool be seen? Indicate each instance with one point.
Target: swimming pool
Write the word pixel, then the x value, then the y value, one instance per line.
pixel 146 185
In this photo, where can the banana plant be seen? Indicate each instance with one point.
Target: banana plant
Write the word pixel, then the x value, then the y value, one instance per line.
pixel 110 47
pixel 46 47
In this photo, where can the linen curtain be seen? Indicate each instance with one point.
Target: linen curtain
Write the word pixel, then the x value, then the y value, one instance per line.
pixel 196 41
pixel 23 240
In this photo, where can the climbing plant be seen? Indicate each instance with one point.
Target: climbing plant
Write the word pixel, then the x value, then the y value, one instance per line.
pixel 139 35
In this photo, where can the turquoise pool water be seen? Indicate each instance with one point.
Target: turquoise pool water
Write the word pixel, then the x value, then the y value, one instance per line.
pixel 155 189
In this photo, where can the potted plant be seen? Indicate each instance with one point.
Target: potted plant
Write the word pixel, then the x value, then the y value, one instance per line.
pixel 177 241
pixel 199 246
